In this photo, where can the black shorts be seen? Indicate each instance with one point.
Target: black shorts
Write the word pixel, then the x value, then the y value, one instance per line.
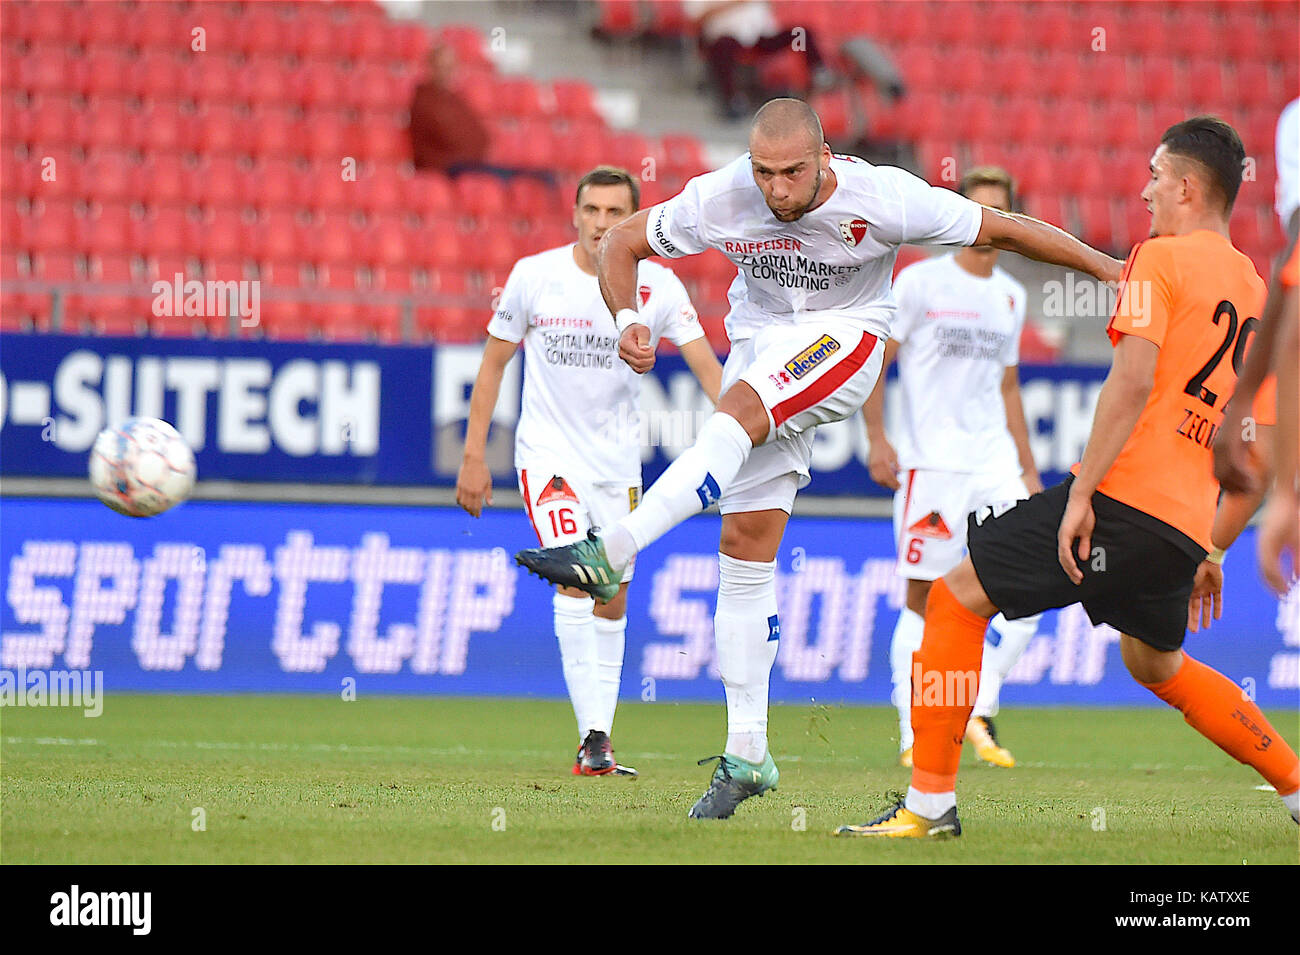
pixel 1138 578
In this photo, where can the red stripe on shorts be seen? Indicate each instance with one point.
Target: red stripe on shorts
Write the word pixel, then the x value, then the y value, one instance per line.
pixel 528 504
pixel 827 383
pixel 907 499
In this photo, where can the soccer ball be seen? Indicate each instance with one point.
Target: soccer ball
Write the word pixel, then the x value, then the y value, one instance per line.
pixel 142 467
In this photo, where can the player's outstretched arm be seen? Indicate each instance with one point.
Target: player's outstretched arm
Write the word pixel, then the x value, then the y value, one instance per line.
pixel 882 461
pixel 1031 237
pixel 474 481
pixel 704 365
pixel 1120 404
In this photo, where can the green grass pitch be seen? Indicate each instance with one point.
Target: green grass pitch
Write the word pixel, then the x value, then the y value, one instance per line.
pixel 296 779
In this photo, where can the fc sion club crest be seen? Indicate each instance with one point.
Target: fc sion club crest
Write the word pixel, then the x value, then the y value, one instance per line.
pixel 643 293
pixel 853 230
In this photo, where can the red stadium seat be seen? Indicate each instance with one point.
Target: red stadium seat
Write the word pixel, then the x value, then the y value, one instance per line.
pixel 366 40
pixel 166 230
pixel 206 78
pixel 372 86
pixel 481 195
pixel 378 191
pixel 428 194
pixel 518 96
pixel 410 42
pixel 105 175
pixel 317 85
pixel 1096 227
pixel 272 182
pixel 263 81
pixel 574 100
pixel 274 237
pixel 619 19
pixel 264 30
pixel 273 134
pixel 221 235
pixel 50 226
pixel 158 127
pixel 103 125
pixel 283 320
pixel 327 136
pixel 332 240
pixel 218 130
pixel 379 138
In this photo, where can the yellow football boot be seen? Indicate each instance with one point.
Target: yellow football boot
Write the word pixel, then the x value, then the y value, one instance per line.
pixel 899 822
pixel 979 730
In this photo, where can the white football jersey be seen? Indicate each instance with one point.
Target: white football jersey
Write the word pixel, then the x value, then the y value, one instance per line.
pixel 957 335
pixel 834 262
pixel 580 400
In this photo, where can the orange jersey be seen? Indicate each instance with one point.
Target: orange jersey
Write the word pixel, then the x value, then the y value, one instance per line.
pixel 1198 299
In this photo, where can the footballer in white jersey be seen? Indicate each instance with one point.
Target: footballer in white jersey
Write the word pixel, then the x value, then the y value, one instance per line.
pixel 577 444
pixel 960 446
pixel 814 238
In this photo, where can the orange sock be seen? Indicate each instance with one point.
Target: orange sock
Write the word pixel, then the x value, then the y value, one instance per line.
pixel 1217 708
pixel 945 679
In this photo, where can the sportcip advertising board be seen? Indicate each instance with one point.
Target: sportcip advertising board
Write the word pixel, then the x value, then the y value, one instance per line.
pixel 229 597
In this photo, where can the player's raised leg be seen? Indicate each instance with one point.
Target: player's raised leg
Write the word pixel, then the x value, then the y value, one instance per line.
pixel 835 366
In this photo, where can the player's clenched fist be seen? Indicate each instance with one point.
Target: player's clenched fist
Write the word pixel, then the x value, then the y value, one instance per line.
pixel 634 348
pixel 474 485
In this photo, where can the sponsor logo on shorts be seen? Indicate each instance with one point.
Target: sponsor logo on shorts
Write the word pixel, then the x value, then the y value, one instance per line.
pixel 633 498
pixel 556 489
pixel 812 356
pixel 932 525
pixel 853 230
pixel 773 628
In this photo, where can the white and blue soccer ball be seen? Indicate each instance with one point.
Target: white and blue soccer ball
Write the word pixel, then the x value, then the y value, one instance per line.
pixel 141 467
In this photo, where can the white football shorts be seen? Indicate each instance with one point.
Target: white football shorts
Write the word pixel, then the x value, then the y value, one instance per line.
pixel 930 512
pixel 562 507
pixel 806 375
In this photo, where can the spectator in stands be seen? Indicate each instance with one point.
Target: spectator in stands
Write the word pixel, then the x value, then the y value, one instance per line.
pixel 447 135
pixel 733 32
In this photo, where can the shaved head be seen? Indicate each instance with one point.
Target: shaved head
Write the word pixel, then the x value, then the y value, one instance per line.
pixel 783 119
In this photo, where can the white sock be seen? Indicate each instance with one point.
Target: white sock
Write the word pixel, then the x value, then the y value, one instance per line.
pixel 610 638
pixel 575 628
pixel 929 805
pixel 690 484
pixel 907 640
pixel 998 660
pixel 1292 802
pixel 743 627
